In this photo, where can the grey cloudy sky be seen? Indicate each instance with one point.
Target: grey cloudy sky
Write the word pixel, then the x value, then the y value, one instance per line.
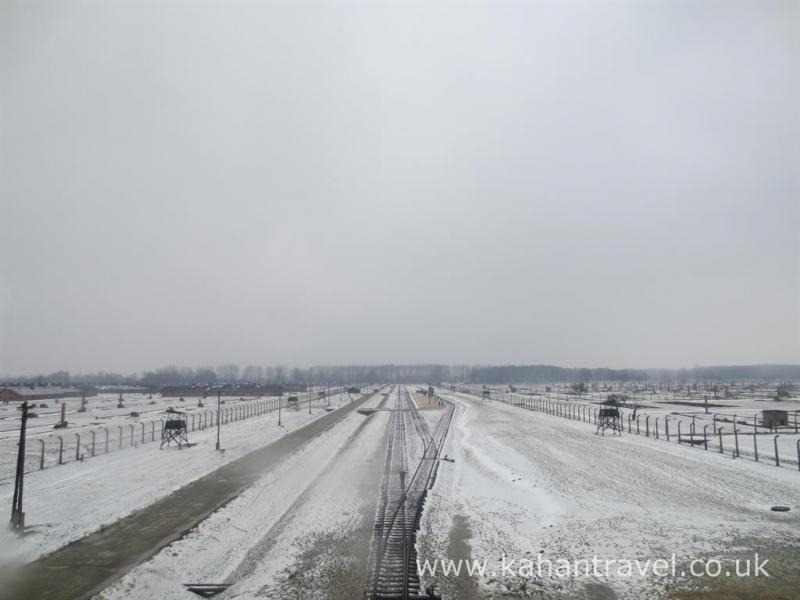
pixel 574 183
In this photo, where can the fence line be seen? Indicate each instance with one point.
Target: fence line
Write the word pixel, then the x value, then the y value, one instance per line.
pixel 66 446
pixel 639 424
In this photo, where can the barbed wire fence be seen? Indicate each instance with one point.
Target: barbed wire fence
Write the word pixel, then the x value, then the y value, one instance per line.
pixel 679 429
pixel 65 446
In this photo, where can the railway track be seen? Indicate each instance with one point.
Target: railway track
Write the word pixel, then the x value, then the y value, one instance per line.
pixel 411 465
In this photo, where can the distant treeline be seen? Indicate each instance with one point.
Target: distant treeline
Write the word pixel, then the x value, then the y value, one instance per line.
pixel 551 374
pixel 516 374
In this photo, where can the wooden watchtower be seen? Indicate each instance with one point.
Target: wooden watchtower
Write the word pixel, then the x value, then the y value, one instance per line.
pixel 175 430
pixel 609 417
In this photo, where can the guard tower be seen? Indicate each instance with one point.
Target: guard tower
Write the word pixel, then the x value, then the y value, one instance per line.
pixel 175 430
pixel 608 417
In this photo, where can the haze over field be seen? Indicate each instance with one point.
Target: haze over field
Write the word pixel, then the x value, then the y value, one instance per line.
pixel 572 184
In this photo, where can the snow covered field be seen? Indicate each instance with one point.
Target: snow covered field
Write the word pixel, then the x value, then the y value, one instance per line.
pixel 528 485
pixel 105 426
pixel 66 502
pixel 664 415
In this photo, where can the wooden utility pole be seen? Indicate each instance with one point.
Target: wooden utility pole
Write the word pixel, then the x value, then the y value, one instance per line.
pixel 17 514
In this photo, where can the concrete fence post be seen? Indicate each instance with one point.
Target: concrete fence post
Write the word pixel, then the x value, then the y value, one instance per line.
pixel 720 440
pixel 657 428
pixel 777 458
pixel 120 436
pixel 647 425
pixel 705 437
pixel 666 425
pixel 60 450
pixel 142 424
pixel 736 440
pixel 755 446
pixel 77 446
pixel 106 430
pixel 93 436
pixel 798 454
pixel 132 428
pixel 41 456
pixel 679 431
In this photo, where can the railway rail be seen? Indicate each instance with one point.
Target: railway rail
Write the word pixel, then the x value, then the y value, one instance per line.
pixel 407 478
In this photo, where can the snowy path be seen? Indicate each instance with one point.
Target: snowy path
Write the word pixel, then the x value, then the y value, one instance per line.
pixel 530 483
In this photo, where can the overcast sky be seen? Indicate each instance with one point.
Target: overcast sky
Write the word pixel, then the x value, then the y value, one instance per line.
pixel 581 184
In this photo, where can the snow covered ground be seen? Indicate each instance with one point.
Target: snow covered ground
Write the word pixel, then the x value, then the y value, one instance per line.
pixel 527 485
pixel 66 502
pixel 105 426
pixel 660 414
pixel 303 530
pixel 523 485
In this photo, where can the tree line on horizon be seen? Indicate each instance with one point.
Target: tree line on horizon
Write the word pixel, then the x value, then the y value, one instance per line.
pixel 432 373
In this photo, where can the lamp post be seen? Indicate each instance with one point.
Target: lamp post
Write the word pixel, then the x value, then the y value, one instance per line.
pixel 218 425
